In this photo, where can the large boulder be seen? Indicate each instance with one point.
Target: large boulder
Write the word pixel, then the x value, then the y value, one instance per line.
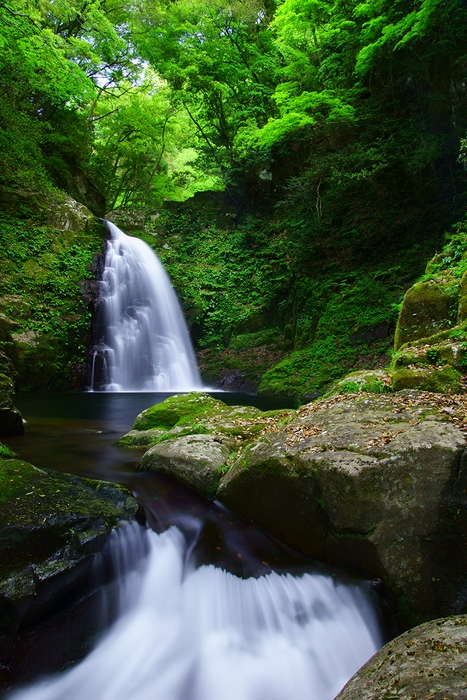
pixel 198 413
pixel 428 308
pixel 368 483
pixel 429 661
pixel 52 528
pixel 195 460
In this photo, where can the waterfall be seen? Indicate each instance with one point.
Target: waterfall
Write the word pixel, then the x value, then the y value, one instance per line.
pixel 144 343
pixel 205 634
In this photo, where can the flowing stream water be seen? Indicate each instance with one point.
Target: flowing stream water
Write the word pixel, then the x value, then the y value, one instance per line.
pixel 217 610
pixel 144 343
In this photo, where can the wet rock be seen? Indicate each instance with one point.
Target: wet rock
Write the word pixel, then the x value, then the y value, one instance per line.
pixel 195 460
pixel 51 526
pixel 366 484
pixel 429 661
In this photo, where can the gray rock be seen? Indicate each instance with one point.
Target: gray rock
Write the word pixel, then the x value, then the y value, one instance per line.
pixel 429 661
pixel 369 484
pixel 195 460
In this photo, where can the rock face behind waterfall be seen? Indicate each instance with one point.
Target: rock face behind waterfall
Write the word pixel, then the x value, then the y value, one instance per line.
pixel 376 484
pixel 429 661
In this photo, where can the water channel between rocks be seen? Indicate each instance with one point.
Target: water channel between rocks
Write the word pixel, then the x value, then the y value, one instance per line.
pixel 218 609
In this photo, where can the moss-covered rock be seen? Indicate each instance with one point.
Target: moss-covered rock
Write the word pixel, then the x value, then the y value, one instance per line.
pixel 45 325
pixel 429 661
pixel 66 214
pixel 377 381
pixel 428 307
pixel 197 413
pixel 444 380
pixel 364 483
pixel 462 309
pixel 140 438
pixel 51 526
pixel 176 410
pixel 432 353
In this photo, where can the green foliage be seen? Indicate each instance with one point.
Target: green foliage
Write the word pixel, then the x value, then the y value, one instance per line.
pixel 6 452
pixel 44 266
pixel 227 278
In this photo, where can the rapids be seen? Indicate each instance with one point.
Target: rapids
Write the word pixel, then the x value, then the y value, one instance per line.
pixel 201 633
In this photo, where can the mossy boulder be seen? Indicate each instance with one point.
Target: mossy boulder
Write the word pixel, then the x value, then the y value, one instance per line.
pixel 429 661
pixel 51 526
pixel 428 307
pixel 196 414
pixel 176 410
pixel 195 460
pixel 205 436
pixel 376 381
pixel 140 438
pixel 66 214
pixel 444 380
pixel 453 353
pixel 366 484
pixel 7 326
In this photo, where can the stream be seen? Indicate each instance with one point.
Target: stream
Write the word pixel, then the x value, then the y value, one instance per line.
pixel 216 609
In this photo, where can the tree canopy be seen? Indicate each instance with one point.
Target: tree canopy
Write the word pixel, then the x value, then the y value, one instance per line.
pixel 119 92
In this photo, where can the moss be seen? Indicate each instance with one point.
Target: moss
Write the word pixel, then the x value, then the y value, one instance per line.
pixel 376 382
pixel 428 307
pixel 443 380
pixel 199 414
pixel 176 410
pixel 29 495
pixel 40 294
pixel 6 452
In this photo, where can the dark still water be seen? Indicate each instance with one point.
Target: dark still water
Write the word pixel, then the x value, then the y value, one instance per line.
pixel 220 610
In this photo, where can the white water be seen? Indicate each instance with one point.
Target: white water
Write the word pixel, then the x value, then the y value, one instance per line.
pixel 145 344
pixel 208 635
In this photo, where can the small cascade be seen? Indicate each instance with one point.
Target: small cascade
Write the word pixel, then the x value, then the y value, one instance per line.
pixel 205 634
pixel 144 343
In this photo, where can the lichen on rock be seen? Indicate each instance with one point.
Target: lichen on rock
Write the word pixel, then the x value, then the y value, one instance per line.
pixel 429 661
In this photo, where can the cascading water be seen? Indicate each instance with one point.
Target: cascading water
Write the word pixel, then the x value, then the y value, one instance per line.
pixel 144 344
pixel 205 634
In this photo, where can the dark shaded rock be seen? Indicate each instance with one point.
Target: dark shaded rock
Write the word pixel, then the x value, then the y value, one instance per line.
pixel 364 484
pixel 51 526
pixel 11 422
pixel 429 661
